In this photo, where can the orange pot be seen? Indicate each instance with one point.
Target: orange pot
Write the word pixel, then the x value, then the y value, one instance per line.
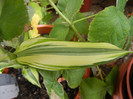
pixel 129 79
pixel 6 70
pixel 86 7
pixel 44 29
pixel 123 90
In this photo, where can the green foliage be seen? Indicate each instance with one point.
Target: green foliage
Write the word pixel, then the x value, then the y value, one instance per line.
pixel 44 3
pixel 74 77
pixel 31 75
pixel 51 83
pixel 110 80
pixel 131 24
pixel 49 55
pixel 59 55
pixel 37 8
pixel 72 7
pixel 62 4
pixel 93 88
pixel 1 5
pixel 60 30
pixel 13 18
pixel 120 4
pixel 109 25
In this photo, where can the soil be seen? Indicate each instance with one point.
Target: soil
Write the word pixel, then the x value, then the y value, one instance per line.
pixel 30 91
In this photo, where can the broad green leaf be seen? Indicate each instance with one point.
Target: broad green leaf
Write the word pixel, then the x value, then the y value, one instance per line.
pixel 13 18
pixel 1 5
pixel 62 4
pixel 47 16
pixel 8 65
pixel 129 38
pixel 53 87
pixel 31 75
pixel 131 25
pixel 120 4
pixel 74 77
pixel 81 26
pixel 109 25
pixel 3 54
pixel 70 34
pixel 12 43
pixel 59 55
pixel 31 12
pixel 60 30
pixel 110 80
pixel 44 3
pixel 92 88
pixel 73 6
pixel 36 8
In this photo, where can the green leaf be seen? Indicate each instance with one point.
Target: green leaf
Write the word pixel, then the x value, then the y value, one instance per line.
pixel 1 5
pixel 81 26
pixel 50 81
pixel 59 55
pixel 92 88
pixel 13 18
pixel 111 79
pixel 44 3
pixel 37 8
pixel 12 43
pixel 109 25
pixel 62 4
pixel 60 30
pixel 73 6
pixel 129 38
pixel 131 25
pixel 74 77
pixel 120 4
pixel 31 75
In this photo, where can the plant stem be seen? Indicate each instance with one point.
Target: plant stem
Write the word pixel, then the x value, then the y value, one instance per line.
pixel 67 20
pixel 84 18
pixel 100 72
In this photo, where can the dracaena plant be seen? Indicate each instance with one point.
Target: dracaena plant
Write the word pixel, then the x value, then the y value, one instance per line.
pixel 55 55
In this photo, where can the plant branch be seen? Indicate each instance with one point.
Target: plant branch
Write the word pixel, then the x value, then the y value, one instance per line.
pixel 67 20
pixel 84 18
pixel 55 7
pixel 100 72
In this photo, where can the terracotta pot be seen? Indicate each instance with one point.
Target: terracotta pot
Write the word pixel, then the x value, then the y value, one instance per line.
pixel 86 7
pixel 122 91
pixel 129 79
pixel 44 29
pixel 6 70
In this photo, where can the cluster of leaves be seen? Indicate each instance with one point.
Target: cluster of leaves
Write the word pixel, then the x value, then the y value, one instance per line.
pixel 46 56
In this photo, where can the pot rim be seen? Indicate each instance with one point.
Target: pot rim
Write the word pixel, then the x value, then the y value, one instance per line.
pixel 127 79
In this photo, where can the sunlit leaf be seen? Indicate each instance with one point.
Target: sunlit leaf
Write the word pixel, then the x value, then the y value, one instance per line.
pixel 111 79
pixel 53 87
pixel 74 77
pixel 31 75
pixel 57 55
pixel 120 4
pixel 13 18
pixel 92 88
pixel 109 25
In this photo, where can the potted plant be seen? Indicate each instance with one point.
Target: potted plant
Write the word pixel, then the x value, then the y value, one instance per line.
pixel 56 55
